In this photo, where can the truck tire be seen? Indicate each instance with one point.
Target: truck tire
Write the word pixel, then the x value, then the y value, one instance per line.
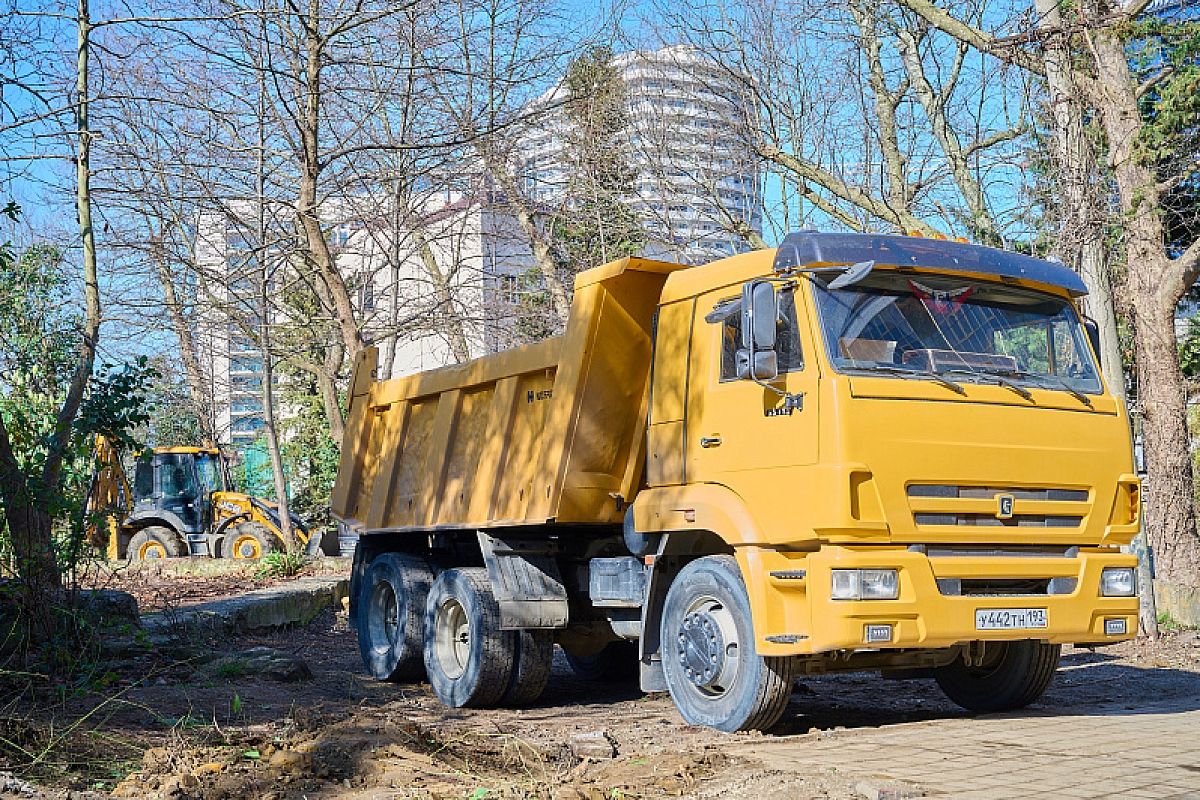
pixel 468 657
pixel 1012 676
pixel 531 668
pixel 153 543
pixel 391 616
pixel 248 541
pixel 713 672
pixel 617 662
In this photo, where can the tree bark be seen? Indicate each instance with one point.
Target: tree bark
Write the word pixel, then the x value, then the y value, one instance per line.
pixel 1154 286
pixel 451 322
pixel 188 353
pixel 1080 242
pixel 317 250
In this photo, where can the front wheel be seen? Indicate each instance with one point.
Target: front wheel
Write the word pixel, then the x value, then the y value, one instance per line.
pixel 1011 675
pixel 713 672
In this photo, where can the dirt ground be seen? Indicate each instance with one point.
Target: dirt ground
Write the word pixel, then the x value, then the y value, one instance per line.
pixel 189 730
pixel 177 583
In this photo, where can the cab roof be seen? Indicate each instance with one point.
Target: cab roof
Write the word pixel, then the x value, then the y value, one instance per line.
pixel 212 451
pixel 805 248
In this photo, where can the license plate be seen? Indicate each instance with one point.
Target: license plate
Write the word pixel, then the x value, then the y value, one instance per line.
pixel 1005 619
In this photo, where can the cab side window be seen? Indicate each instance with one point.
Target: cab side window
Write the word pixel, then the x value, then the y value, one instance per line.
pixel 787 334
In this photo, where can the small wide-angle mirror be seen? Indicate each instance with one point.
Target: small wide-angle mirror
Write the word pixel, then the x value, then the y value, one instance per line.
pixel 1093 333
pixel 853 274
pixel 759 309
pixel 761 365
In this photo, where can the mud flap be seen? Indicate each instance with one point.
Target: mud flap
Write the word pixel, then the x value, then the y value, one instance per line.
pixel 526 582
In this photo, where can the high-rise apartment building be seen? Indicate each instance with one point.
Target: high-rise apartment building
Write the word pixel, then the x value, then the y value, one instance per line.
pixel 449 282
pixel 697 177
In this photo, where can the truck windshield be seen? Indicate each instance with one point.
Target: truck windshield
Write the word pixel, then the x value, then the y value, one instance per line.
pixel 945 327
pixel 210 472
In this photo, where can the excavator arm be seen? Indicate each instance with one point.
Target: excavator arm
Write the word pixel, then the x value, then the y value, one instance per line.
pixel 108 499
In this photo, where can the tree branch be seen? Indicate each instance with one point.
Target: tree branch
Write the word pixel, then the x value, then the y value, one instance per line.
pixel 980 40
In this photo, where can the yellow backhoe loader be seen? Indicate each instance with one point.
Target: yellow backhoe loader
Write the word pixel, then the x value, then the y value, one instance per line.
pixel 180 503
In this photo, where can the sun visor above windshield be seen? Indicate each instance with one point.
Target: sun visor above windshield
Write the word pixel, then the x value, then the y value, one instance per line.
pixel 803 248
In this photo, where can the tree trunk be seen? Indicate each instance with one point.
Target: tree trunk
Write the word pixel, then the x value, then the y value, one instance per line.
pixel 1170 505
pixel 453 327
pixel 1154 285
pixel 187 348
pixel 32 542
pixel 1080 241
pixel 317 250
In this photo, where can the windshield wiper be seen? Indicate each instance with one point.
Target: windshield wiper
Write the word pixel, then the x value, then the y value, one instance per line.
pixel 1056 381
pixel 917 374
pixel 999 381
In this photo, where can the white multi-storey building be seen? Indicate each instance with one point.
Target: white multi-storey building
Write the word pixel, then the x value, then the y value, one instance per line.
pixel 467 243
pixel 697 177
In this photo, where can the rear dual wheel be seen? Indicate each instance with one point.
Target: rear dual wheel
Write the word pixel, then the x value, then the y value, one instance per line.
pixel 411 624
pixel 470 660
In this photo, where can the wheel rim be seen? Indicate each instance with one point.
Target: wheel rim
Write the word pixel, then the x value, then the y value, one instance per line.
pixel 707 647
pixel 452 639
pixel 151 550
pixel 383 618
pixel 246 547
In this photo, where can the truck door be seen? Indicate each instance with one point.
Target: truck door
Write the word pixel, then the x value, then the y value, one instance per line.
pixel 740 433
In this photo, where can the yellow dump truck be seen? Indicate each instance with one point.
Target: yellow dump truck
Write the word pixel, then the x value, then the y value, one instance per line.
pixel 853 452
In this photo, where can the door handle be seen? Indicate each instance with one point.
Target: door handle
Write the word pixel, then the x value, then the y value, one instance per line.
pixel 710 441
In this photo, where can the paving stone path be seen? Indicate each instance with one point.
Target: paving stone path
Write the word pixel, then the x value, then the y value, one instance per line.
pixel 1144 752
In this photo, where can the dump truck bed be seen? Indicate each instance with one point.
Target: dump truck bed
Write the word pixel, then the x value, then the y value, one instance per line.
pixel 553 431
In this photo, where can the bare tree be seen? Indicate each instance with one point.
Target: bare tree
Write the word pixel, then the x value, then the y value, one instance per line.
pixel 919 138
pixel 1155 278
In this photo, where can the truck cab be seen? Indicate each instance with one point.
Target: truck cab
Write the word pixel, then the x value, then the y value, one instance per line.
pixel 853 452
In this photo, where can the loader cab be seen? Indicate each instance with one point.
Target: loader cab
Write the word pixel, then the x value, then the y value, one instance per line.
pixel 177 483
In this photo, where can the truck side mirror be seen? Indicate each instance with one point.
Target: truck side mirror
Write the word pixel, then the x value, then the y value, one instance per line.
pixel 760 308
pixel 1093 333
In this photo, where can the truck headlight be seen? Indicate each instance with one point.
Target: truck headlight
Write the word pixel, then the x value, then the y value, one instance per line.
pixel 865 584
pixel 1118 582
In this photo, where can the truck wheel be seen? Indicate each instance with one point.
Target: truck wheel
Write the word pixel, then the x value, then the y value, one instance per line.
pixel 713 672
pixel 617 662
pixel 155 542
pixel 1012 675
pixel 249 541
pixel 531 668
pixel 391 613
pixel 468 658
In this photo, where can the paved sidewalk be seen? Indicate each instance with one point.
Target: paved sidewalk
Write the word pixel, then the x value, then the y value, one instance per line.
pixel 1144 752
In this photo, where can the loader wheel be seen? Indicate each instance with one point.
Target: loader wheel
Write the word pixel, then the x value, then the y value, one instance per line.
pixel 1012 675
pixel 713 672
pixel 468 658
pixel 391 616
pixel 153 543
pixel 531 667
pixel 249 541
pixel 617 662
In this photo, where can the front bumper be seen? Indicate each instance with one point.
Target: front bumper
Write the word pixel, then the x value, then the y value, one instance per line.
pixel 790 597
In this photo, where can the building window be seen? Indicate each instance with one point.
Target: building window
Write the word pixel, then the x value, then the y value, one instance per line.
pixel 245 364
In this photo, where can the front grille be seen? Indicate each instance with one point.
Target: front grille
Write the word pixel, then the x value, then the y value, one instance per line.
pixel 988 492
pixel 1015 521
pixel 958 505
pixel 1005 587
